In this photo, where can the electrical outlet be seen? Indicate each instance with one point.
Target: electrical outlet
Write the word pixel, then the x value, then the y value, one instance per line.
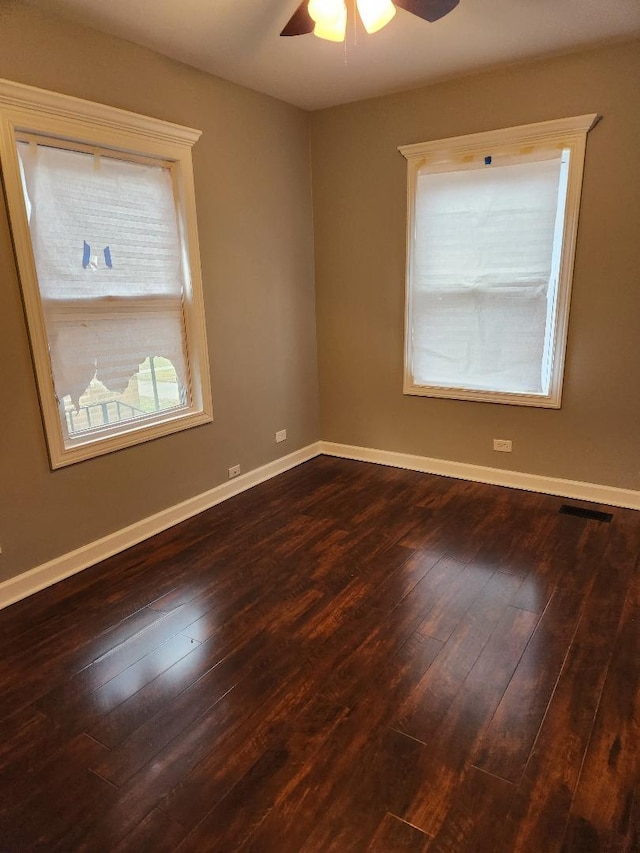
pixel 502 445
pixel 234 471
pixel 281 435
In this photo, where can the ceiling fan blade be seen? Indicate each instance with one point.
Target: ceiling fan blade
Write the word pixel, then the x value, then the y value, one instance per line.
pixel 430 10
pixel 300 23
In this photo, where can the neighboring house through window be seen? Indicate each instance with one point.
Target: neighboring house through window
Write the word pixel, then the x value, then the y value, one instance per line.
pixel 492 223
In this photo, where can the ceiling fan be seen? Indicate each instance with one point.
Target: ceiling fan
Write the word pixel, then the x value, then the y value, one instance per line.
pixel 328 18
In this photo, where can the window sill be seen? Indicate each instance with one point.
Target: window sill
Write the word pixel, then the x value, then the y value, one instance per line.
pixel 91 446
pixel 542 401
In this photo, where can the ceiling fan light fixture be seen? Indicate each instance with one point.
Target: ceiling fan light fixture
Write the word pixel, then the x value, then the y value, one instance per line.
pixel 330 17
pixel 375 14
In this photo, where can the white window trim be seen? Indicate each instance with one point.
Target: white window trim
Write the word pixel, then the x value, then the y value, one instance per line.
pixel 568 133
pixel 31 110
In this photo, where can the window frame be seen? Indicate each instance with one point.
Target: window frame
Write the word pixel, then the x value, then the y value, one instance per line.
pixel 76 122
pixel 569 133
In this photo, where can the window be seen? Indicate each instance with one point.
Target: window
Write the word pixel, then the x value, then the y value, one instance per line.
pixel 102 212
pixel 492 222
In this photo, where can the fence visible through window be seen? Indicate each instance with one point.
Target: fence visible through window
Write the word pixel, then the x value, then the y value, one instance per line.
pixel 154 388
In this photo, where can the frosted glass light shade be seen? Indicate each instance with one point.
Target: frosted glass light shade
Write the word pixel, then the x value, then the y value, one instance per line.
pixel 321 10
pixel 332 30
pixel 375 14
pixel 330 18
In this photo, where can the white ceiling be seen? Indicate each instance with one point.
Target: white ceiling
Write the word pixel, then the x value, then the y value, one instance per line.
pixel 239 40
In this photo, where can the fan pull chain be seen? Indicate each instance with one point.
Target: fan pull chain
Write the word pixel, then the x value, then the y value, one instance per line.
pixel 354 25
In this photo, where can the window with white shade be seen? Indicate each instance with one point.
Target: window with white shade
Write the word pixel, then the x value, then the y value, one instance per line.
pixel 107 251
pixel 492 228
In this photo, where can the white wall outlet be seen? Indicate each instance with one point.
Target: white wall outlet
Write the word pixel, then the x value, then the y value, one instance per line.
pixel 234 471
pixel 281 435
pixel 502 445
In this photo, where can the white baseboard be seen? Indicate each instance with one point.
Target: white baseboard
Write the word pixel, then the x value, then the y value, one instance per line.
pixel 69 564
pixel 593 492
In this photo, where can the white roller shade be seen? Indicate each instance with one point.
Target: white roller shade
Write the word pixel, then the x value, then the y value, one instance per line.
pixel 484 274
pixel 109 262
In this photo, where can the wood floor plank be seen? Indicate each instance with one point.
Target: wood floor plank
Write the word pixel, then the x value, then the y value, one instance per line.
pixel 448 510
pixel 121 652
pixel 602 809
pixel 33 762
pixel 200 699
pixel 252 741
pixel 452 743
pixel 534 593
pixel 472 823
pixel 113 727
pixel 31 678
pixel 394 834
pixel 538 818
pixel 506 743
pixel 512 522
pixel 87 699
pixel 155 833
pixel 101 639
pixel 244 742
pixel 173 763
pixel 233 818
pixel 421 711
pixel 254 608
pixel 144 790
pixel 19 732
pixel 444 617
pixel 42 808
pixel 30 674
pixel 382 776
pixel 354 674
pixel 328 780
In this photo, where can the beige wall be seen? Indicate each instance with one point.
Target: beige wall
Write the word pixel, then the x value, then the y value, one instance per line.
pixel 359 184
pixel 254 207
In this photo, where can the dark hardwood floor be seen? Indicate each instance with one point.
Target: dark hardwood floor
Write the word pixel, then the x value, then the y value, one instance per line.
pixel 348 657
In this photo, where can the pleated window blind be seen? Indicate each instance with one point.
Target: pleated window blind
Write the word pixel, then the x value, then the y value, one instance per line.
pixel 485 275
pixel 108 256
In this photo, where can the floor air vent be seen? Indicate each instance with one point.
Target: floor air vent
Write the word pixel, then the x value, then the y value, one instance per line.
pixel 592 514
